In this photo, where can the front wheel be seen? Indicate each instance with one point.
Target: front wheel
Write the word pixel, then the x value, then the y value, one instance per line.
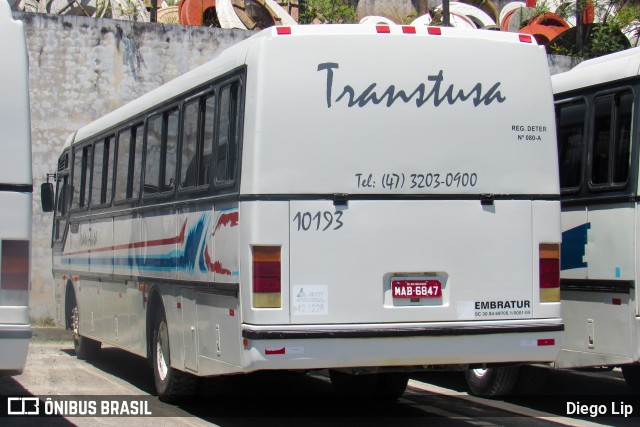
pixel 492 381
pixel 170 383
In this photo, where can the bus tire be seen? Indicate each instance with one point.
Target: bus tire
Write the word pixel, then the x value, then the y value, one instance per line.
pixel 391 385
pixel 85 348
pixel 171 384
pixel 492 381
pixel 531 380
pixel 631 374
pixel 346 384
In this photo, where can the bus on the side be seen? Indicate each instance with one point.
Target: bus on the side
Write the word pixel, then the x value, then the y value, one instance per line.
pixel 350 198
pixel 15 195
pixel 597 115
pixel 598 111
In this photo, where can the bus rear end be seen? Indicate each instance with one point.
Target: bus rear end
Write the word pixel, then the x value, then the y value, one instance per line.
pixel 15 196
pixel 399 200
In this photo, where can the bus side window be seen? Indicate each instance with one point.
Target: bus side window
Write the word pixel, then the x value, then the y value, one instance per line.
pixel 206 161
pixel 81 174
pixel 103 157
pixel 622 149
pixel 136 175
pixel 570 118
pixel 98 173
pixel 161 149
pixel 110 153
pixel 170 150
pixel 122 169
pixel 153 155
pixel 601 140
pixel 188 158
pixel 226 146
pixel 62 205
pixel 611 151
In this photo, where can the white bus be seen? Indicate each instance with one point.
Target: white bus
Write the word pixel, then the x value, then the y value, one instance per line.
pixel 351 198
pixel 597 112
pixel 15 195
pixel 598 107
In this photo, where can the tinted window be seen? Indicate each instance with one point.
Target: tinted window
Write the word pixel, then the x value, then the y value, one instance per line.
pixel 571 144
pixel 109 153
pixel 189 165
pixel 601 140
pixel 622 152
pixel 98 173
pixel 81 176
pixel 227 141
pixel 153 155
pixel 122 169
pixel 137 162
pixel 206 160
pixel 171 150
pixel 611 149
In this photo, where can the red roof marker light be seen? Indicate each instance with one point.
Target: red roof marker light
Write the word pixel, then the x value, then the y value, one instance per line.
pixel 409 30
pixel 526 38
pixel 383 29
pixel 283 31
pixel 434 31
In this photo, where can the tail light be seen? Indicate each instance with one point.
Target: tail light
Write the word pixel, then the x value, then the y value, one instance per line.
pixel 266 277
pixel 549 272
pixel 15 265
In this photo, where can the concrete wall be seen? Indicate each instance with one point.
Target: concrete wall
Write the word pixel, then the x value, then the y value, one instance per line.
pixel 82 68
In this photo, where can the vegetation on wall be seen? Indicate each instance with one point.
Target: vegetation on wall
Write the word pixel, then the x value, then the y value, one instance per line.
pixel 327 11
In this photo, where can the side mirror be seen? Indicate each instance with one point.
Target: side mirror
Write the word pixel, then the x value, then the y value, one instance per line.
pixel 46 196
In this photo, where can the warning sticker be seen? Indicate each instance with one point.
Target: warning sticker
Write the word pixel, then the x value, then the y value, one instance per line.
pixel 310 299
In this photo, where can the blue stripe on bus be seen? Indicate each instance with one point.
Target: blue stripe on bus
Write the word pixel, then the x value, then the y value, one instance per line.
pixel 573 250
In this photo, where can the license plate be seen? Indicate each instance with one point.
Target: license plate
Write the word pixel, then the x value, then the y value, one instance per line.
pixel 416 288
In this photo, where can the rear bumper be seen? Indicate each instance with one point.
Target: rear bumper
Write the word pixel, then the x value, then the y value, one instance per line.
pixel 344 346
pixel 14 344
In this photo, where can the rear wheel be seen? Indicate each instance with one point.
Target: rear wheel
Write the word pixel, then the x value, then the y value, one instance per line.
pixel 631 375
pixel 85 348
pixel 171 383
pixel 392 385
pixel 492 381
pixel 353 385
pixel 531 380
pixel 385 386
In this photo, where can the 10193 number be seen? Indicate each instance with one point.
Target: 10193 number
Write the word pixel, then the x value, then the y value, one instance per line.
pixel 318 221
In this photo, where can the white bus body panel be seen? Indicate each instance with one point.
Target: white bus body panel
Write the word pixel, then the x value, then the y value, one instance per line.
pixel 15 145
pixel 378 155
pixel 592 317
pixel 15 330
pixel 15 172
pixel 280 154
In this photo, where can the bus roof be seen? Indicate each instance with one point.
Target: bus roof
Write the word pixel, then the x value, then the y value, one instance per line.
pixel 235 56
pixel 608 68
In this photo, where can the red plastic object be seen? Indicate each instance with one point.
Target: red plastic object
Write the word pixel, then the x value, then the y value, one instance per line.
pixel 191 11
pixel 504 25
pixel 545 27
